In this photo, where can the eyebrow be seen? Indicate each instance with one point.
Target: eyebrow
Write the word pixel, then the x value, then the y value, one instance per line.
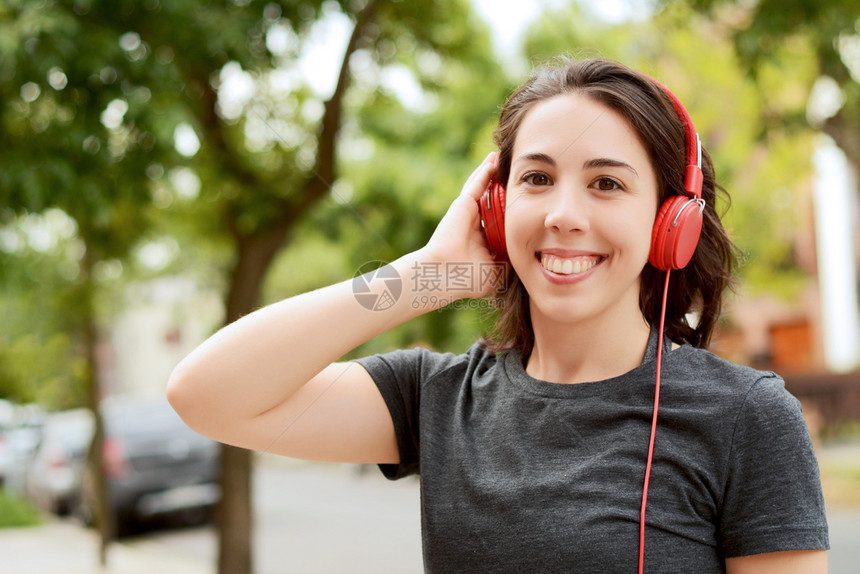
pixel 595 163
pixel 536 156
pixel 607 162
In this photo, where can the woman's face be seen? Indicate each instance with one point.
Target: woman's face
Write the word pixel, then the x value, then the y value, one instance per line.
pixel 581 202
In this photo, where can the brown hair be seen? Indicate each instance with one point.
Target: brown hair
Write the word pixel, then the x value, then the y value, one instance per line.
pixel 645 105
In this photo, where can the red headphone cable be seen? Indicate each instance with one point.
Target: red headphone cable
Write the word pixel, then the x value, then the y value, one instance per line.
pixel 653 428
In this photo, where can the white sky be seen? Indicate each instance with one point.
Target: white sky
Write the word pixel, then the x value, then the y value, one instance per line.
pixel 509 18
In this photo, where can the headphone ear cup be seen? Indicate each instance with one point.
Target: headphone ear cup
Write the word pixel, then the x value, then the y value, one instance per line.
pixel 676 233
pixel 492 208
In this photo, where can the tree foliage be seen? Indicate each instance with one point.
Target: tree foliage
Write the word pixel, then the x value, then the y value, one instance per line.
pixel 40 359
pixel 404 169
pixel 829 30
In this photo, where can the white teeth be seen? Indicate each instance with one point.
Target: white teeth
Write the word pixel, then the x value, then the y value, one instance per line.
pixel 567 266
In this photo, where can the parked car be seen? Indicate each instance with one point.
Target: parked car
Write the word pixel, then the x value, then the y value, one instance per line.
pixel 153 463
pixel 54 476
pixel 21 444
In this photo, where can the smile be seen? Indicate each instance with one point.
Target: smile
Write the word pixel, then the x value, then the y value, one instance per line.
pixel 568 266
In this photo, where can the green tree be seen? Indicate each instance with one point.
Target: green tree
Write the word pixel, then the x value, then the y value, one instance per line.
pixel 39 356
pixel 98 97
pixel 266 164
pixel 804 57
pixel 76 135
pixel 401 172
pixel 766 30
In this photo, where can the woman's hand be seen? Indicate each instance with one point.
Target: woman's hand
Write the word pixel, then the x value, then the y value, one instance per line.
pixel 458 245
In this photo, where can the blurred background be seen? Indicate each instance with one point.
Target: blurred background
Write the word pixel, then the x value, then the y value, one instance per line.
pixel 167 166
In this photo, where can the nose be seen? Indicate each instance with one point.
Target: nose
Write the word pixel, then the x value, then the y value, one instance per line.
pixel 567 211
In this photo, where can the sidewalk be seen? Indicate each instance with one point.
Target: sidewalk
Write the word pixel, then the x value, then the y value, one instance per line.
pixel 63 547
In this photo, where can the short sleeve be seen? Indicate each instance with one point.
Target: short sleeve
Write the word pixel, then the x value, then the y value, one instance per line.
pixel 397 376
pixel 772 500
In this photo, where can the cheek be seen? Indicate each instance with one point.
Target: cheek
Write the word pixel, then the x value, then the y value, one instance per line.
pixel 516 222
pixel 521 227
pixel 634 231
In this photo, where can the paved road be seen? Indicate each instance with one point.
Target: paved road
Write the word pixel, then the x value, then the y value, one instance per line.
pixel 319 519
pixel 311 518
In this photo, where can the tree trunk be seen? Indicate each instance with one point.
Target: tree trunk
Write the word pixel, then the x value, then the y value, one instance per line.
pixel 101 512
pixel 255 252
pixel 234 515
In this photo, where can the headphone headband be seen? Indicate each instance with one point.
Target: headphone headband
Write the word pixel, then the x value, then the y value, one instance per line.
pixel 693 178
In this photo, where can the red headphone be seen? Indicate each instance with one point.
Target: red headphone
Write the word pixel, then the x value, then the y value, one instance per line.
pixel 677 226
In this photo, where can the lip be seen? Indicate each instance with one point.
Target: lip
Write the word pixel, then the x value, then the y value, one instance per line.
pixel 560 279
pixel 568 253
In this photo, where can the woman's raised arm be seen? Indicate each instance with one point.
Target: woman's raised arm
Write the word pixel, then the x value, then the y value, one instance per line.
pixel 269 380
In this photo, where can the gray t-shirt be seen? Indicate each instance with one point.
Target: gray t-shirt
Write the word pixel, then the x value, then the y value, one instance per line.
pixel 523 475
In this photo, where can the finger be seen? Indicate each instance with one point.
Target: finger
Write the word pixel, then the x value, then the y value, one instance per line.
pixel 480 178
pixel 475 173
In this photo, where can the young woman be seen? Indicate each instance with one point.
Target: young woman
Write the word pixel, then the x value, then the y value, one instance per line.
pixel 533 446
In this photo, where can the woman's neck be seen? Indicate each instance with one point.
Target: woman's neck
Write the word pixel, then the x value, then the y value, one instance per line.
pixel 580 353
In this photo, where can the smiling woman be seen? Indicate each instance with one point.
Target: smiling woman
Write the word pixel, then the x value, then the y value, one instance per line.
pixel 532 445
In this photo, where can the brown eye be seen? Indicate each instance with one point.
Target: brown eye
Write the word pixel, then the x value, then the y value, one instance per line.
pixel 536 178
pixel 607 184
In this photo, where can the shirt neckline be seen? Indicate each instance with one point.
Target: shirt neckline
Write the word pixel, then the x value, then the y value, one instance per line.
pixel 645 373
